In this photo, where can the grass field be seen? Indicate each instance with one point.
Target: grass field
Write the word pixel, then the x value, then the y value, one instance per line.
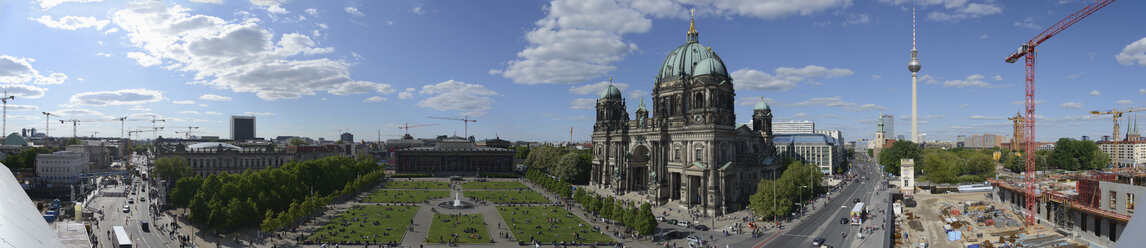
pixel 405 196
pixel 534 222
pixel 493 185
pixel 445 226
pixel 400 184
pixel 361 224
pixel 507 196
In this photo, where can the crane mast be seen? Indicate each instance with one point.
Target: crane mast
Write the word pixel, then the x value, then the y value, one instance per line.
pixel 1027 51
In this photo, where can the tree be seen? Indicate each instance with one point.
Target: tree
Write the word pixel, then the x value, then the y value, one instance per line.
pixel 298 142
pixel 901 149
pixel 172 168
pixel 647 222
pixel 771 203
pixel 1070 154
pixel 522 152
pixel 941 167
pixel 185 189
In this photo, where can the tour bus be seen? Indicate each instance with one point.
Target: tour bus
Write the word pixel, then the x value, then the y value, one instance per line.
pixel 121 237
pixel 857 214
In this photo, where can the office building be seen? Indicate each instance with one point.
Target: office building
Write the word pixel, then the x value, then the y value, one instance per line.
pixel 347 138
pixel 793 127
pixel 824 152
pixel 242 128
pixel 62 166
pixel 889 126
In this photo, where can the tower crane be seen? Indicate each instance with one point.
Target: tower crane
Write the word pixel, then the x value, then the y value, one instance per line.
pixel 407 127
pixel 46 117
pixel 465 120
pixel 1117 113
pixel 5 99
pixel 76 122
pixel 188 132
pixel 131 132
pixel 1028 49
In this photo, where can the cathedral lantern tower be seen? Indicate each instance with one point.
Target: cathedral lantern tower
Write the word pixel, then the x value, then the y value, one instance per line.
pixel 762 118
pixel 611 114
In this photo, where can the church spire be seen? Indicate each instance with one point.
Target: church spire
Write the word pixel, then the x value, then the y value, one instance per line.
pixel 692 34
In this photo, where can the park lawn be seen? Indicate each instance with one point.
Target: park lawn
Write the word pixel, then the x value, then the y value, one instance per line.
pixel 493 185
pixel 532 223
pixel 371 221
pixel 405 196
pixel 444 226
pixel 516 197
pixel 416 185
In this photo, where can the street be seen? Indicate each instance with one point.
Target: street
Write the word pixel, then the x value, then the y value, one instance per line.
pixel 139 209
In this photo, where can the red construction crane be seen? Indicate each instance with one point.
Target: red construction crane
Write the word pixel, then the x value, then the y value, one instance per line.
pixel 408 127
pixel 1028 50
pixel 465 120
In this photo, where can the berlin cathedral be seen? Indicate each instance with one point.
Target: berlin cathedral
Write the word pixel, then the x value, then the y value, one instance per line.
pixel 690 153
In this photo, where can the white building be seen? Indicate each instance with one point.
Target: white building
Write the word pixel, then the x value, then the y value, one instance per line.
pixel 62 166
pixel 793 127
pixel 1125 153
pixel 834 133
pixel 818 149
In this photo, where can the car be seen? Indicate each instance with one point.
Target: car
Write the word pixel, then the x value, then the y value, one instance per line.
pixel 818 241
pixel 142 199
pixel 660 219
pixel 857 200
pixel 130 200
pixel 683 224
pixel 671 221
pixel 700 228
pixel 126 209
pixel 844 220
pixel 143 224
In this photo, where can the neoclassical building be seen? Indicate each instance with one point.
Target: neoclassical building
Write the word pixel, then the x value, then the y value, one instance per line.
pixel 689 152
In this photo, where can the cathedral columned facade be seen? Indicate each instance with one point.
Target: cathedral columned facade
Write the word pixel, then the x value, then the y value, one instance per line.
pixel 686 150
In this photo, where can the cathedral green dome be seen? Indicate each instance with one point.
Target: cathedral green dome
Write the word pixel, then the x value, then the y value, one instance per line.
pixel 762 106
pixel 710 66
pixel 682 60
pixel 610 92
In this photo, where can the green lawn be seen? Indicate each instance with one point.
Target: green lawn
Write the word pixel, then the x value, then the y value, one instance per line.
pixel 493 185
pixel 399 184
pixel 405 196
pixel 532 222
pixel 445 226
pixel 507 196
pixel 374 224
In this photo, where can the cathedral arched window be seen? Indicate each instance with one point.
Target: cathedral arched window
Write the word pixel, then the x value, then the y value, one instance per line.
pixel 698 100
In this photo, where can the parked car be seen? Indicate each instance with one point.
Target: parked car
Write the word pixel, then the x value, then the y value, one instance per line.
pixel 818 241
pixel 683 224
pixel 671 221
pixel 700 227
pixel 660 218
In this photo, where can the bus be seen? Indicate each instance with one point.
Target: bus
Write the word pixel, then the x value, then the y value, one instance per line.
pixel 857 214
pixel 121 237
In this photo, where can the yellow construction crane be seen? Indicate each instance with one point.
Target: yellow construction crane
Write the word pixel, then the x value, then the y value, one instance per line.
pixel 1117 113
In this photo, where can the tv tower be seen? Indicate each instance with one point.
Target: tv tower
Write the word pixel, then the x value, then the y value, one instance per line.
pixel 913 66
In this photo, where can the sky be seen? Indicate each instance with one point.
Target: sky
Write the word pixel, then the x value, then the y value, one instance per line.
pixel 531 70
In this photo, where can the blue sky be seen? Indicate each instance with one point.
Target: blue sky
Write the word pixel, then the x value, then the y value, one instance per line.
pixel 529 70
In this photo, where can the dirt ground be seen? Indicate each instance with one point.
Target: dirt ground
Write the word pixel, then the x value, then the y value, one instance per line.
pixel 969 213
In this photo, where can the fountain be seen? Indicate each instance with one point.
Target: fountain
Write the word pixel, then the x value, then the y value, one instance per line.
pixel 457 203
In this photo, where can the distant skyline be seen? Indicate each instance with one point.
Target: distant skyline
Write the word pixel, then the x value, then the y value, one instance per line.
pixel 530 70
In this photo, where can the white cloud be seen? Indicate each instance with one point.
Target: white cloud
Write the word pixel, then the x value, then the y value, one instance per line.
pixel 191 112
pixel 374 99
pixel 638 94
pixel 202 105
pixel 311 12
pixel 73 22
pixel 76 112
pixel 471 99
pixel 1142 91
pixel 405 95
pixel 48 4
pixel 212 113
pixel 143 59
pixel 15 70
pixel 20 107
pixel 105 55
pixel 836 102
pixel 418 10
pixel 876 76
pixel 1071 105
pixel 276 9
pixel 964 105
pixel 23 91
pixel 983 36
pixel 1074 76
pixel 786 78
pixel 260 113
pixel 213 97
pixel 208 1
pixel 139 108
pixel 238 55
pixel 354 11
pixel 1124 102
pixel 596 88
pixel 998 78
pixel 968 11
pixel 983 117
pixel 974 80
pixel 1095 93
pixel 1134 52
pixel 184 102
pixel 770 10
pixel 1029 23
pixel 583 104
pixel 119 97
pixel 359 87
